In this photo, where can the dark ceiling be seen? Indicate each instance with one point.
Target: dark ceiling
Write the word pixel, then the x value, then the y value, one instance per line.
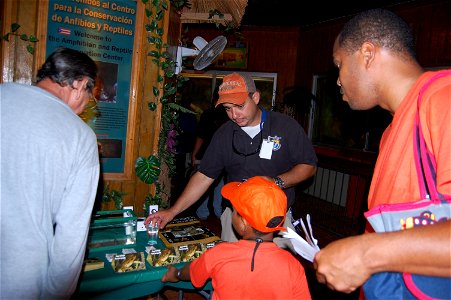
pixel 304 13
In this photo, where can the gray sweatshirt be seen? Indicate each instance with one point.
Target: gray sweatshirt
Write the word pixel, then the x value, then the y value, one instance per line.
pixel 49 176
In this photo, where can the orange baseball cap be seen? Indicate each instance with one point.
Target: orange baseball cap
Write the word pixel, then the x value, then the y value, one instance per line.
pixel 235 89
pixel 258 201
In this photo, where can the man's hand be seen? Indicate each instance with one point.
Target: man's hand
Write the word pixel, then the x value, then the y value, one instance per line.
pixel 341 264
pixel 161 217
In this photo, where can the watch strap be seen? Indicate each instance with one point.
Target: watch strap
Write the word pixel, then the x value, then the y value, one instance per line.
pixel 279 181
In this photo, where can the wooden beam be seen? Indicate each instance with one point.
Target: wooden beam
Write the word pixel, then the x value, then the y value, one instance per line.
pixel 190 17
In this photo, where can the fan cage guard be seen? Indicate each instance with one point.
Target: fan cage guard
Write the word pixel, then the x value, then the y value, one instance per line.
pixel 209 53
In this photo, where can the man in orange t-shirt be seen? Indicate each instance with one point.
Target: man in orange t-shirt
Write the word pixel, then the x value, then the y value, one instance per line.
pixel 253 267
pixel 377 67
pixel 395 178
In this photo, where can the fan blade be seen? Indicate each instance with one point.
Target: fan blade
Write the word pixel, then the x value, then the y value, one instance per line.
pixel 209 53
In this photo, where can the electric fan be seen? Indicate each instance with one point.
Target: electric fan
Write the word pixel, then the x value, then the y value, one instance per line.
pixel 205 53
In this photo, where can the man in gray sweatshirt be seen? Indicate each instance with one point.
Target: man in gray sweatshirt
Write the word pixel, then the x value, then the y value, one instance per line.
pixel 49 178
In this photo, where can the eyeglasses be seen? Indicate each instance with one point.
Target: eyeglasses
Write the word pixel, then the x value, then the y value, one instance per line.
pixel 93 98
pixel 250 153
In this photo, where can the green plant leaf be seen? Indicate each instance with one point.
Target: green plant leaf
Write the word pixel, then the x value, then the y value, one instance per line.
pixel 153 25
pixel 168 86
pixel 6 37
pixel 30 49
pixel 159 15
pixel 14 27
pixel 148 12
pixel 180 108
pixel 148 27
pixel 151 39
pixel 215 12
pixel 33 39
pixel 113 195
pixel 154 53
pixel 24 37
pixel 148 169
pixel 152 106
pixel 144 1
pixel 170 73
pixel 156 91
pixel 160 31
pixel 170 89
pixel 164 4
pixel 160 78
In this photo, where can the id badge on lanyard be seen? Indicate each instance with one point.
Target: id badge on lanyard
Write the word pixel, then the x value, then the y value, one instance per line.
pixel 266 149
pixel 267 145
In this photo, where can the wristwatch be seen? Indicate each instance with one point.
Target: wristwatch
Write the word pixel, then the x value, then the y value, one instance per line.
pixel 279 182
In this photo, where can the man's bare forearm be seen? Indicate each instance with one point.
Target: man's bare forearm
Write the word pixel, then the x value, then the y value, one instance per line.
pixel 422 250
pixel 196 187
pixel 297 174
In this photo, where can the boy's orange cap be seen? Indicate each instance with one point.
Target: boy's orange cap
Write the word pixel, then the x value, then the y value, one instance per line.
pixel 258 201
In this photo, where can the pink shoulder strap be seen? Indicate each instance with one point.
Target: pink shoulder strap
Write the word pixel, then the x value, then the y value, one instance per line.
pixel 424 160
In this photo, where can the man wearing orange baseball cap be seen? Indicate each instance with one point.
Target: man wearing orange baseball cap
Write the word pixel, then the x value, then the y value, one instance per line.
pixel 237 269
pixel 235 89
pixel 254 142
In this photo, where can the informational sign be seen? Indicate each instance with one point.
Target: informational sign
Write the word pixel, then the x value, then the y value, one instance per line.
pixel 104 30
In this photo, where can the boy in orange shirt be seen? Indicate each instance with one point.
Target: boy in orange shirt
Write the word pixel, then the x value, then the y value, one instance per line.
pixel 253 267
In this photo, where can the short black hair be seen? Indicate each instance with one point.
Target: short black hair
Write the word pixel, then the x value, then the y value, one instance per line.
pixel 66 65
pixel 381 27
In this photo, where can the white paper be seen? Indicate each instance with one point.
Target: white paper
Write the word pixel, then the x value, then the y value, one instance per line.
pixel 306 249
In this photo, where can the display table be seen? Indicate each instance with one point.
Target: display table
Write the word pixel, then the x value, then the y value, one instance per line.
pixel 106 284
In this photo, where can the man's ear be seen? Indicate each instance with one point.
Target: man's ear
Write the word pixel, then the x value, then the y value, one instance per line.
pixel 256 97
pixel 79 86
pixel 368 51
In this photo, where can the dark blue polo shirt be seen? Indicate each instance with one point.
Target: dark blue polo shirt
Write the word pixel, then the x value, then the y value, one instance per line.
pixel 230 142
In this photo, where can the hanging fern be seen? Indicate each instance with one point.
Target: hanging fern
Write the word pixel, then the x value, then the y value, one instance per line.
pixel 113 195
pixel 148 169
pixel 32 39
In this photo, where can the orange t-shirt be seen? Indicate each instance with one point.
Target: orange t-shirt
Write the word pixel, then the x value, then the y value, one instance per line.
pixel 395 177
pixel 277 273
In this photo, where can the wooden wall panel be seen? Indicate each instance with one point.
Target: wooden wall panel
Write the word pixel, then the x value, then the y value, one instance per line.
pixel 431 23
pixel 432 29
pixel 315 53
pixel 17 63
pixel 270 49
pixel 274 50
